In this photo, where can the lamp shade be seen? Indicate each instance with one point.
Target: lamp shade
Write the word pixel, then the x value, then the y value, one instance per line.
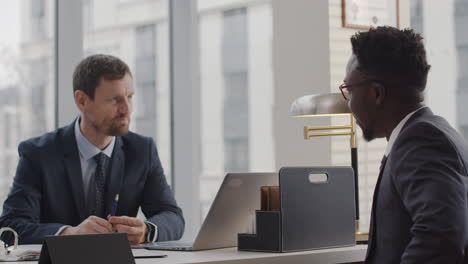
pixel 319 104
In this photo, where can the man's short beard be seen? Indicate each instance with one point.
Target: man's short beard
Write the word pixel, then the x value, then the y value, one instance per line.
pixel 114 130
pixel 368 134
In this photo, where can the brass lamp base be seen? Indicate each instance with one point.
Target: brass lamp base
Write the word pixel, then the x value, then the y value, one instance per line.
pixel 361 237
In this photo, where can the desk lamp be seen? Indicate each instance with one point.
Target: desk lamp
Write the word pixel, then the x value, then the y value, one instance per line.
pixel 329 105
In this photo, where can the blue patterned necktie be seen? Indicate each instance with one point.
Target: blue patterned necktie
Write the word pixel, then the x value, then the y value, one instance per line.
pixel 100 175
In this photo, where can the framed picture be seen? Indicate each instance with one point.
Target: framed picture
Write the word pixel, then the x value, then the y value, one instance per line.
pixel 364 14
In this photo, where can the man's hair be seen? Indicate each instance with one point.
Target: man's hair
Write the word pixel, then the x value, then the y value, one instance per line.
pixel 89 72
pixel 396 58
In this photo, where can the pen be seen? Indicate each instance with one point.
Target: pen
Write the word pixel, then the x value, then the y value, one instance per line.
pixel 155 256
pixel 114 205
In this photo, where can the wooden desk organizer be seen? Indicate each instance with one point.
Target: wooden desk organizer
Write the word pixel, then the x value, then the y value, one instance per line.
pixel 312 208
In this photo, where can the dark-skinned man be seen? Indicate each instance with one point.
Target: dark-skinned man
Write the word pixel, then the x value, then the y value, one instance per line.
pixel 419 212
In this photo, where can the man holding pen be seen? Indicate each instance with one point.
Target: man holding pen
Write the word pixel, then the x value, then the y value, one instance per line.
pixel 92 176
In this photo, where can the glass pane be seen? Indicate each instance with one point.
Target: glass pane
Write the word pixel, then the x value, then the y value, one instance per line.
pixel 26 78
pixel 443 26
pixel 137 32
pixel 461 43
pixel 236 91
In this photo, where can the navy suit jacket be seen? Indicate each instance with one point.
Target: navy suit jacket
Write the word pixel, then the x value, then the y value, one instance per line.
pixel 419 212
pixel 47 191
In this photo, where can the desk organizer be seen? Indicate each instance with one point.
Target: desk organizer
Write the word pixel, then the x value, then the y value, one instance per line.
pixel 317 210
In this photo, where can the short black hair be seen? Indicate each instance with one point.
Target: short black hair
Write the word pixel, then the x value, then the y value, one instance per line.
pixel 89 71
pixel 395 57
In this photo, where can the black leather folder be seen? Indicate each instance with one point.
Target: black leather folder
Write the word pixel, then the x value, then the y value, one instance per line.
pixel 89 249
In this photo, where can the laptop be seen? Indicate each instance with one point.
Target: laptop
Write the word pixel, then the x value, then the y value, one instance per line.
pixel 232 212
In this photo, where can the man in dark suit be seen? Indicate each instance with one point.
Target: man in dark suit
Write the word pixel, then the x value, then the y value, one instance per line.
pixel 419 211
pixel 67 180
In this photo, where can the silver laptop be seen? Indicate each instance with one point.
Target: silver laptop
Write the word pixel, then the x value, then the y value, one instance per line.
pixel 232 212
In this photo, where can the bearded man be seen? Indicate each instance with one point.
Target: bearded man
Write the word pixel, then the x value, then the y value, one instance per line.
pixel 420 205
pixel 67 180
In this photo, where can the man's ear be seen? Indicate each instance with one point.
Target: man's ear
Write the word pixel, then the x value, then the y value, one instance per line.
pixel 379 92
pixel 81 99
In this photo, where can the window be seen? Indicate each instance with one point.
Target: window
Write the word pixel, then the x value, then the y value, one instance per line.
pixel 88 17
pixel 461 42
pixel 38 22
pixel 145 77
pixel 137 33
pixel 443 27
pixel 37 70
pixel 236 107
pixel 236 91
pixel 26 79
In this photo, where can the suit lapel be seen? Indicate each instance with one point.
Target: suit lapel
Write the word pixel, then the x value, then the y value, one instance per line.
pixel 372 228
pixel 116 173
pixel 73 169
pixel 372 221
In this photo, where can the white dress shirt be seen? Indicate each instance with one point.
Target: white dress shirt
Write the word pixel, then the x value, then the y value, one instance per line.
pixel 396 131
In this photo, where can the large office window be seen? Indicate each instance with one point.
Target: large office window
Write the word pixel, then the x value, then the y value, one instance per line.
pixel 461 42
pixel 137 32
pixel 236 107
pixel 38 19
pixel 443 26
pixel 145 76
pixel 235 42
pixel 26 78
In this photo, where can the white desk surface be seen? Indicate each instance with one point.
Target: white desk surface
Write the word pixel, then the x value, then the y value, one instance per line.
pixel 233 256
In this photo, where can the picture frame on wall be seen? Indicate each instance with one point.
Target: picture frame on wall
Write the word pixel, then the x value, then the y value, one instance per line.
pixel 364 14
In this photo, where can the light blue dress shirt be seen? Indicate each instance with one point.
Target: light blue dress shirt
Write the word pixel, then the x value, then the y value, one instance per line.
pixel 87 151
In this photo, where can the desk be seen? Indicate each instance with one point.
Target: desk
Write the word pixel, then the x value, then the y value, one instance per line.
pixel 233 256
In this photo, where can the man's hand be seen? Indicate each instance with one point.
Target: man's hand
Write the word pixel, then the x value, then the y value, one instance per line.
pixel 135 228
pixel 91 225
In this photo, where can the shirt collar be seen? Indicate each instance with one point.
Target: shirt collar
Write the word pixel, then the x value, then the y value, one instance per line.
pixel 396 131
pixel 87 149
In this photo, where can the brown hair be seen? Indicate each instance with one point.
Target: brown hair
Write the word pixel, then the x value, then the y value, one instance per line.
pixel 88 72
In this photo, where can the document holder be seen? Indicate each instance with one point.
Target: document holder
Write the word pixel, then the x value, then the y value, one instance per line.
pixel 317 210
pixel 89 249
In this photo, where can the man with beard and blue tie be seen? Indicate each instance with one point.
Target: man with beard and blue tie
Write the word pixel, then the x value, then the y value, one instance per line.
pixel 67 180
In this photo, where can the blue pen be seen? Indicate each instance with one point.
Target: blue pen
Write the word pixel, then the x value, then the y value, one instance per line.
pixel 114 205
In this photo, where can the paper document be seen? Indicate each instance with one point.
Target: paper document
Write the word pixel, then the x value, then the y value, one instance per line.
pixel 21 253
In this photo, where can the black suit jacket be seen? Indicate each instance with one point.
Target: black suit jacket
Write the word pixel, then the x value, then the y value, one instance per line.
pixel 47 191
pixel 419 212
